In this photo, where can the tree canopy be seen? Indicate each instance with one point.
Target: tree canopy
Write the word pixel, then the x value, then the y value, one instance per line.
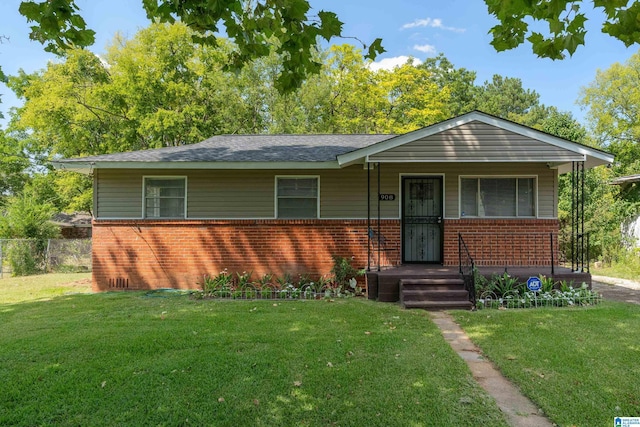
pixel 566 24
pixel 613 103
pixel 292 27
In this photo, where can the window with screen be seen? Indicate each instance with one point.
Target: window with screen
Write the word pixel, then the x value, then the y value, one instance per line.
pixel 165 197
pixel 297 197
pixel 497 197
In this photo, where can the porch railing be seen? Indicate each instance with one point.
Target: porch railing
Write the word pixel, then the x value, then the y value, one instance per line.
pixel 467 269
pixel 580 254
pixel 506 250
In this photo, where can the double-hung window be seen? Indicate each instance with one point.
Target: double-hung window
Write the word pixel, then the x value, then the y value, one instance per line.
pixel 497 197
pixel 297 197
pixel 165 197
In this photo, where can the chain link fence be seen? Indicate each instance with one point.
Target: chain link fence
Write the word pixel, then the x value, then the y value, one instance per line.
pixel 20 257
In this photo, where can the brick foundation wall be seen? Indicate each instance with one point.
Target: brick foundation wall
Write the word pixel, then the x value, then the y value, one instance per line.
pixel 177 254
pixel 497 242
pixel 160 254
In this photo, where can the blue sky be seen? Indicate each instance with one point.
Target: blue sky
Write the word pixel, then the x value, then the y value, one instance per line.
pixel 417 28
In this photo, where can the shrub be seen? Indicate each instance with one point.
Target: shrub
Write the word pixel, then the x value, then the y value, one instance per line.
pixel 345 274
pixel 22 256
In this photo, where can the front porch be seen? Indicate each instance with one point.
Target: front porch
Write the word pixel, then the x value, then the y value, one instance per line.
pixel 436 286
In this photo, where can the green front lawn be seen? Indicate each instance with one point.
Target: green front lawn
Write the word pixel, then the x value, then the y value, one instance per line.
pixel 46 286
pixel 129 358
pixel 580 365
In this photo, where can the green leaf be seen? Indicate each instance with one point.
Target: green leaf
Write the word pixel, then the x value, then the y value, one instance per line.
pixel 29 10
pixel 330 25
pixel 296 9
pixel 577 24
pixel 556 26
pixel 375 49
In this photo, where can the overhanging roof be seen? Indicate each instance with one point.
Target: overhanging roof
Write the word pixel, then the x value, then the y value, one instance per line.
pixel 234 152
pixel 338 151
pixel 623 180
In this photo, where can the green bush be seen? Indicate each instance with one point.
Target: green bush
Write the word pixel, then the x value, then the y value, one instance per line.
pixel 344 275
pixel 24 258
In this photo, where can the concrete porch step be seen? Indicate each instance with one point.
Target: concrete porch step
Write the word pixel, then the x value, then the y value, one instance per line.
pixel 437 293
pixel 434 295
pixel 434 281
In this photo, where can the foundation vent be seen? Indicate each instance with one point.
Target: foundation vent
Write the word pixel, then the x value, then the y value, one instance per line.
pixel 119 282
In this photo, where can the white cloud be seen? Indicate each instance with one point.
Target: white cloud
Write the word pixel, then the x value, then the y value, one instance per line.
pixel 431 22
pixel 391 63
pixel 425 48
pixel 103 61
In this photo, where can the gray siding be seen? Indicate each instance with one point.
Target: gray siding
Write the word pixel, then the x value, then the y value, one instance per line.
pixel 230 194
pixel 226 194
pixel 475 142
pixel 118 193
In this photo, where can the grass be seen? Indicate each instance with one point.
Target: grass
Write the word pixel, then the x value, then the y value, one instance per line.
pixel 131 358
pixel 627 266
pixel 30 288
pixel 620 270
pixel 579 365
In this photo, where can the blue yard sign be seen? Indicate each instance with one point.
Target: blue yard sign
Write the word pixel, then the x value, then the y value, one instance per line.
pixel 534 284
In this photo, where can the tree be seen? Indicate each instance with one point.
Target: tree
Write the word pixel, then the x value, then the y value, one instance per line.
pixel 384 101
pixel 13 165
pixel 155 90
pixel 505 97
pixel 565 21
pixel 459 82
pixel 25 218
pixel 411 99
pixel 613 103
pixel 253 26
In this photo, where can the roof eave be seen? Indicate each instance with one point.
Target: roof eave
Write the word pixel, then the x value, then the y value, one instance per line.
pixel 89 167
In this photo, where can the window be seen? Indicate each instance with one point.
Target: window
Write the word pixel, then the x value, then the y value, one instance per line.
pixel 165 197
pixel 297 197
pixel 497 197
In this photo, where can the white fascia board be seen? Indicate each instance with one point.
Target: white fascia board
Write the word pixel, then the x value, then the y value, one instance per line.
pixel 87 167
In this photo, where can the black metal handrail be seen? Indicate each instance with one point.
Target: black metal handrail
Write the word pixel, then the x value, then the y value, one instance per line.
pixel 467 269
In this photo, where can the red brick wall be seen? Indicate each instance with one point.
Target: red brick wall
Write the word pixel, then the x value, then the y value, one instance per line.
pixel 513 242
pixel 177 254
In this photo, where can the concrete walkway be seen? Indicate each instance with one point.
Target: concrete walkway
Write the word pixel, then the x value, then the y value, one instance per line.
pixel 519 411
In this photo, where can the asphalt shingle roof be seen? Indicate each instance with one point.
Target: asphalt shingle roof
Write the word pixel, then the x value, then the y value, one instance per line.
pixel 249 148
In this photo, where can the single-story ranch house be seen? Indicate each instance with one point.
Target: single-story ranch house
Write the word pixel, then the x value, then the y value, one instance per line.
pixel 287 203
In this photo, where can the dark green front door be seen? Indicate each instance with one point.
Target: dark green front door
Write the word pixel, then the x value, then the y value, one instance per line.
pixel 422 219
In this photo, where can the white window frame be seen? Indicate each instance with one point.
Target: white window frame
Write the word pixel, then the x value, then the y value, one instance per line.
pixel 275 193
pixel 479 177
pixel 144 194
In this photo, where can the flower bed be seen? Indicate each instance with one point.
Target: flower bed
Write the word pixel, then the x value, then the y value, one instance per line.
pixel 503 292
pixel 228 285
